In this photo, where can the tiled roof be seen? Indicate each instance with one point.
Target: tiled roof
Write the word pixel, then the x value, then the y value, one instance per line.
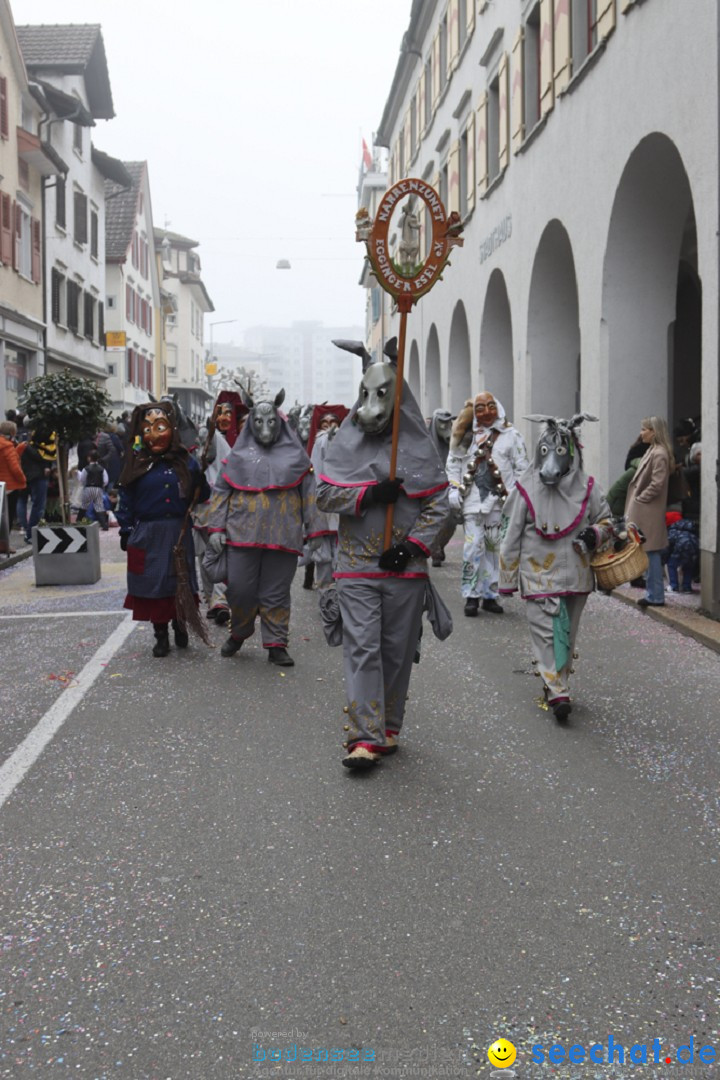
pixel 73 49
pixel 120 210
pixel 54 46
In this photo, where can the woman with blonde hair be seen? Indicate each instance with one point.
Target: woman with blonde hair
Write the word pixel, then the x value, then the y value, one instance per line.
pixel 647 502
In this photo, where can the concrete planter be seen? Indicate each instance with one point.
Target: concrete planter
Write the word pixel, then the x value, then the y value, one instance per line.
pixel 66 554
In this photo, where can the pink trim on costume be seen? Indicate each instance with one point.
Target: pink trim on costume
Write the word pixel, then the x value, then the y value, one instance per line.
pixel 507 592
pixel 272 487
pixel 419 543
pixel 571 527
pixel 276 645
pixel 214 528
pixel 430 491
pixel 557 700
pixel 358 501
pixel 389 731
pixel 355 483
pixel 264 547
pixel 380 574
pixel 322 532
pixel 375 748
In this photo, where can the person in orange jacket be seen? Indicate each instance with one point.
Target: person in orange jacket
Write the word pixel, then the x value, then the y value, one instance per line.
pixel 14 478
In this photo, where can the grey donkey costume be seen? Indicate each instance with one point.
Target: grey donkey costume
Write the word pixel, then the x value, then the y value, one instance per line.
pixel 381 594
pixel 263 499
pixel 552 518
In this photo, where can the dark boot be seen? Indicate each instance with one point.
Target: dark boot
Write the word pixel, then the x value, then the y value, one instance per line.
pixel 491 604
pixel 222 617
pixel 279 655
pixel 231 646
pixel 181 635
pixel 309 576
pixel 162 639
pixel 471 606
pixel 104 520
pixel 561 710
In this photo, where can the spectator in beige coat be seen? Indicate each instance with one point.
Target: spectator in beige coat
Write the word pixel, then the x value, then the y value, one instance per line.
pixel 647 502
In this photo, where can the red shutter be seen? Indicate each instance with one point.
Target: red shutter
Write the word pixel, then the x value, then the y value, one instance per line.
pixel 132 366
pixel 149 374
pixel 141 371
pixel 36 256
pixel 4 117
pixel 6 234
pixel 17 234
pixel 127 302
pixel 150 311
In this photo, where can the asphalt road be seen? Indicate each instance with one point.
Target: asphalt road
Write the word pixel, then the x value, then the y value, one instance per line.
pixel 190 879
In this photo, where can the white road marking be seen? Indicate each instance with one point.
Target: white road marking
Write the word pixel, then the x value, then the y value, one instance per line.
pixel 63 614
pixel 30 749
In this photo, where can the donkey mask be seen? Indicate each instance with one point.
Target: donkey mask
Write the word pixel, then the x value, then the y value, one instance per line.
pixel 558 449
pixel 264 419
pixel 377 387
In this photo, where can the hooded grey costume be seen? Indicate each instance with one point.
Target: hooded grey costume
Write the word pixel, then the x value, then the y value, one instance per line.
pixel 547 530
pixel 262 500
pixel 381 608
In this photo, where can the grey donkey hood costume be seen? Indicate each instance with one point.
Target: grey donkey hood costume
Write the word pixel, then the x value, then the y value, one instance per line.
pixel 254 467
pixel 356 459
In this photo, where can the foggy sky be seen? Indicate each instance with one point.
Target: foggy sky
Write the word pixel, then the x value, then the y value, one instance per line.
pixel 250 115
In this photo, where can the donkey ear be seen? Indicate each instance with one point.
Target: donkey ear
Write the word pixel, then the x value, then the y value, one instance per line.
pixel 579 417
pixel 539 418
pixel 279 398
pixel 247 398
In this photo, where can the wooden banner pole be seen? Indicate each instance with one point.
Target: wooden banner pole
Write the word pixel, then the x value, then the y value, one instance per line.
pixel 404 306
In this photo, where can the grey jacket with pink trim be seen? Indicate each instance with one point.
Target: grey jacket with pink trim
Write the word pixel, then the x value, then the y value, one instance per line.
pixel 361 527
pixel 539 554
pixel 276 518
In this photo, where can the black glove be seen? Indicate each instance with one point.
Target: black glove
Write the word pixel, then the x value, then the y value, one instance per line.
pixel 588 537
pixel 124 537
pixel 398 556
pixel 384 492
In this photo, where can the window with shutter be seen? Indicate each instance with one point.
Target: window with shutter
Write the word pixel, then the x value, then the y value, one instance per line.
pixel 443 53
pixel 503 114
pixel 94 234
pixel 80 233
pixel 60 218
pixel 134 250
pixel 149 374
pixel 16 235
pixel 482 143
pixel 128 303
pixel 150 318
pixel 453 35
pixel 23 174
pixel 56 284
pixel 531 70
pixel 563 46
pixel 77 138
pixel 6 229
pixel 128 365
pixel 453 179
pixel 428 110
pixel 89 319
pixel 547 98
pixel 4 110
pixel 73 306
pixel 36 251
pixel 517 118
pixel 101 323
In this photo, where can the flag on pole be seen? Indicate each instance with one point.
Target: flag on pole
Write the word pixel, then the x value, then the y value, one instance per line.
pixel 367 156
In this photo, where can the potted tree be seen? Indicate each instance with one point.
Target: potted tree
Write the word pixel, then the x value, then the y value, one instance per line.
pixel 69 406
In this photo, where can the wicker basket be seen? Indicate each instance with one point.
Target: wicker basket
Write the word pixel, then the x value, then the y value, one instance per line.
pixel 613 568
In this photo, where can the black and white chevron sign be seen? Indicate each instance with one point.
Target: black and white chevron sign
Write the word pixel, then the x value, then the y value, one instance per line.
pixel 60 539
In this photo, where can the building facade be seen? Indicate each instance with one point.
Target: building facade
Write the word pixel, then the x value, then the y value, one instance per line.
pixel 302 359
pixel 132 289
pixel 70 79
pixel 187 304
pixel 578 141
pixel 25 160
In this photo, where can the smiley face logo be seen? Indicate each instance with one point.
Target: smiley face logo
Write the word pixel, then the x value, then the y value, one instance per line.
pixel 501 1054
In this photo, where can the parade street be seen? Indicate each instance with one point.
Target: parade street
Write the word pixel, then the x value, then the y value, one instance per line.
pixel 190 879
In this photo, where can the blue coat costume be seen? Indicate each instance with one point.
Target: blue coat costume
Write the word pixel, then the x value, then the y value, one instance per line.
pixel 150 513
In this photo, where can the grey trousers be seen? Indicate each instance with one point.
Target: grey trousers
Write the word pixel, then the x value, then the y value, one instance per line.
pixel 540 614
pixel 259 583
pixel 213 594
pixel 381 623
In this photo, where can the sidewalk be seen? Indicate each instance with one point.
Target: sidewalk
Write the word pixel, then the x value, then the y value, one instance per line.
pixel 681 611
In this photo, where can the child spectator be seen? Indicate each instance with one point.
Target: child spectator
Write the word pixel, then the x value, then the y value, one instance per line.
pixel 682 552
pixel 93 479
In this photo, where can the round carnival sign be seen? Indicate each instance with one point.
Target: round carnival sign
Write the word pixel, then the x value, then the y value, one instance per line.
pixel 407 255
